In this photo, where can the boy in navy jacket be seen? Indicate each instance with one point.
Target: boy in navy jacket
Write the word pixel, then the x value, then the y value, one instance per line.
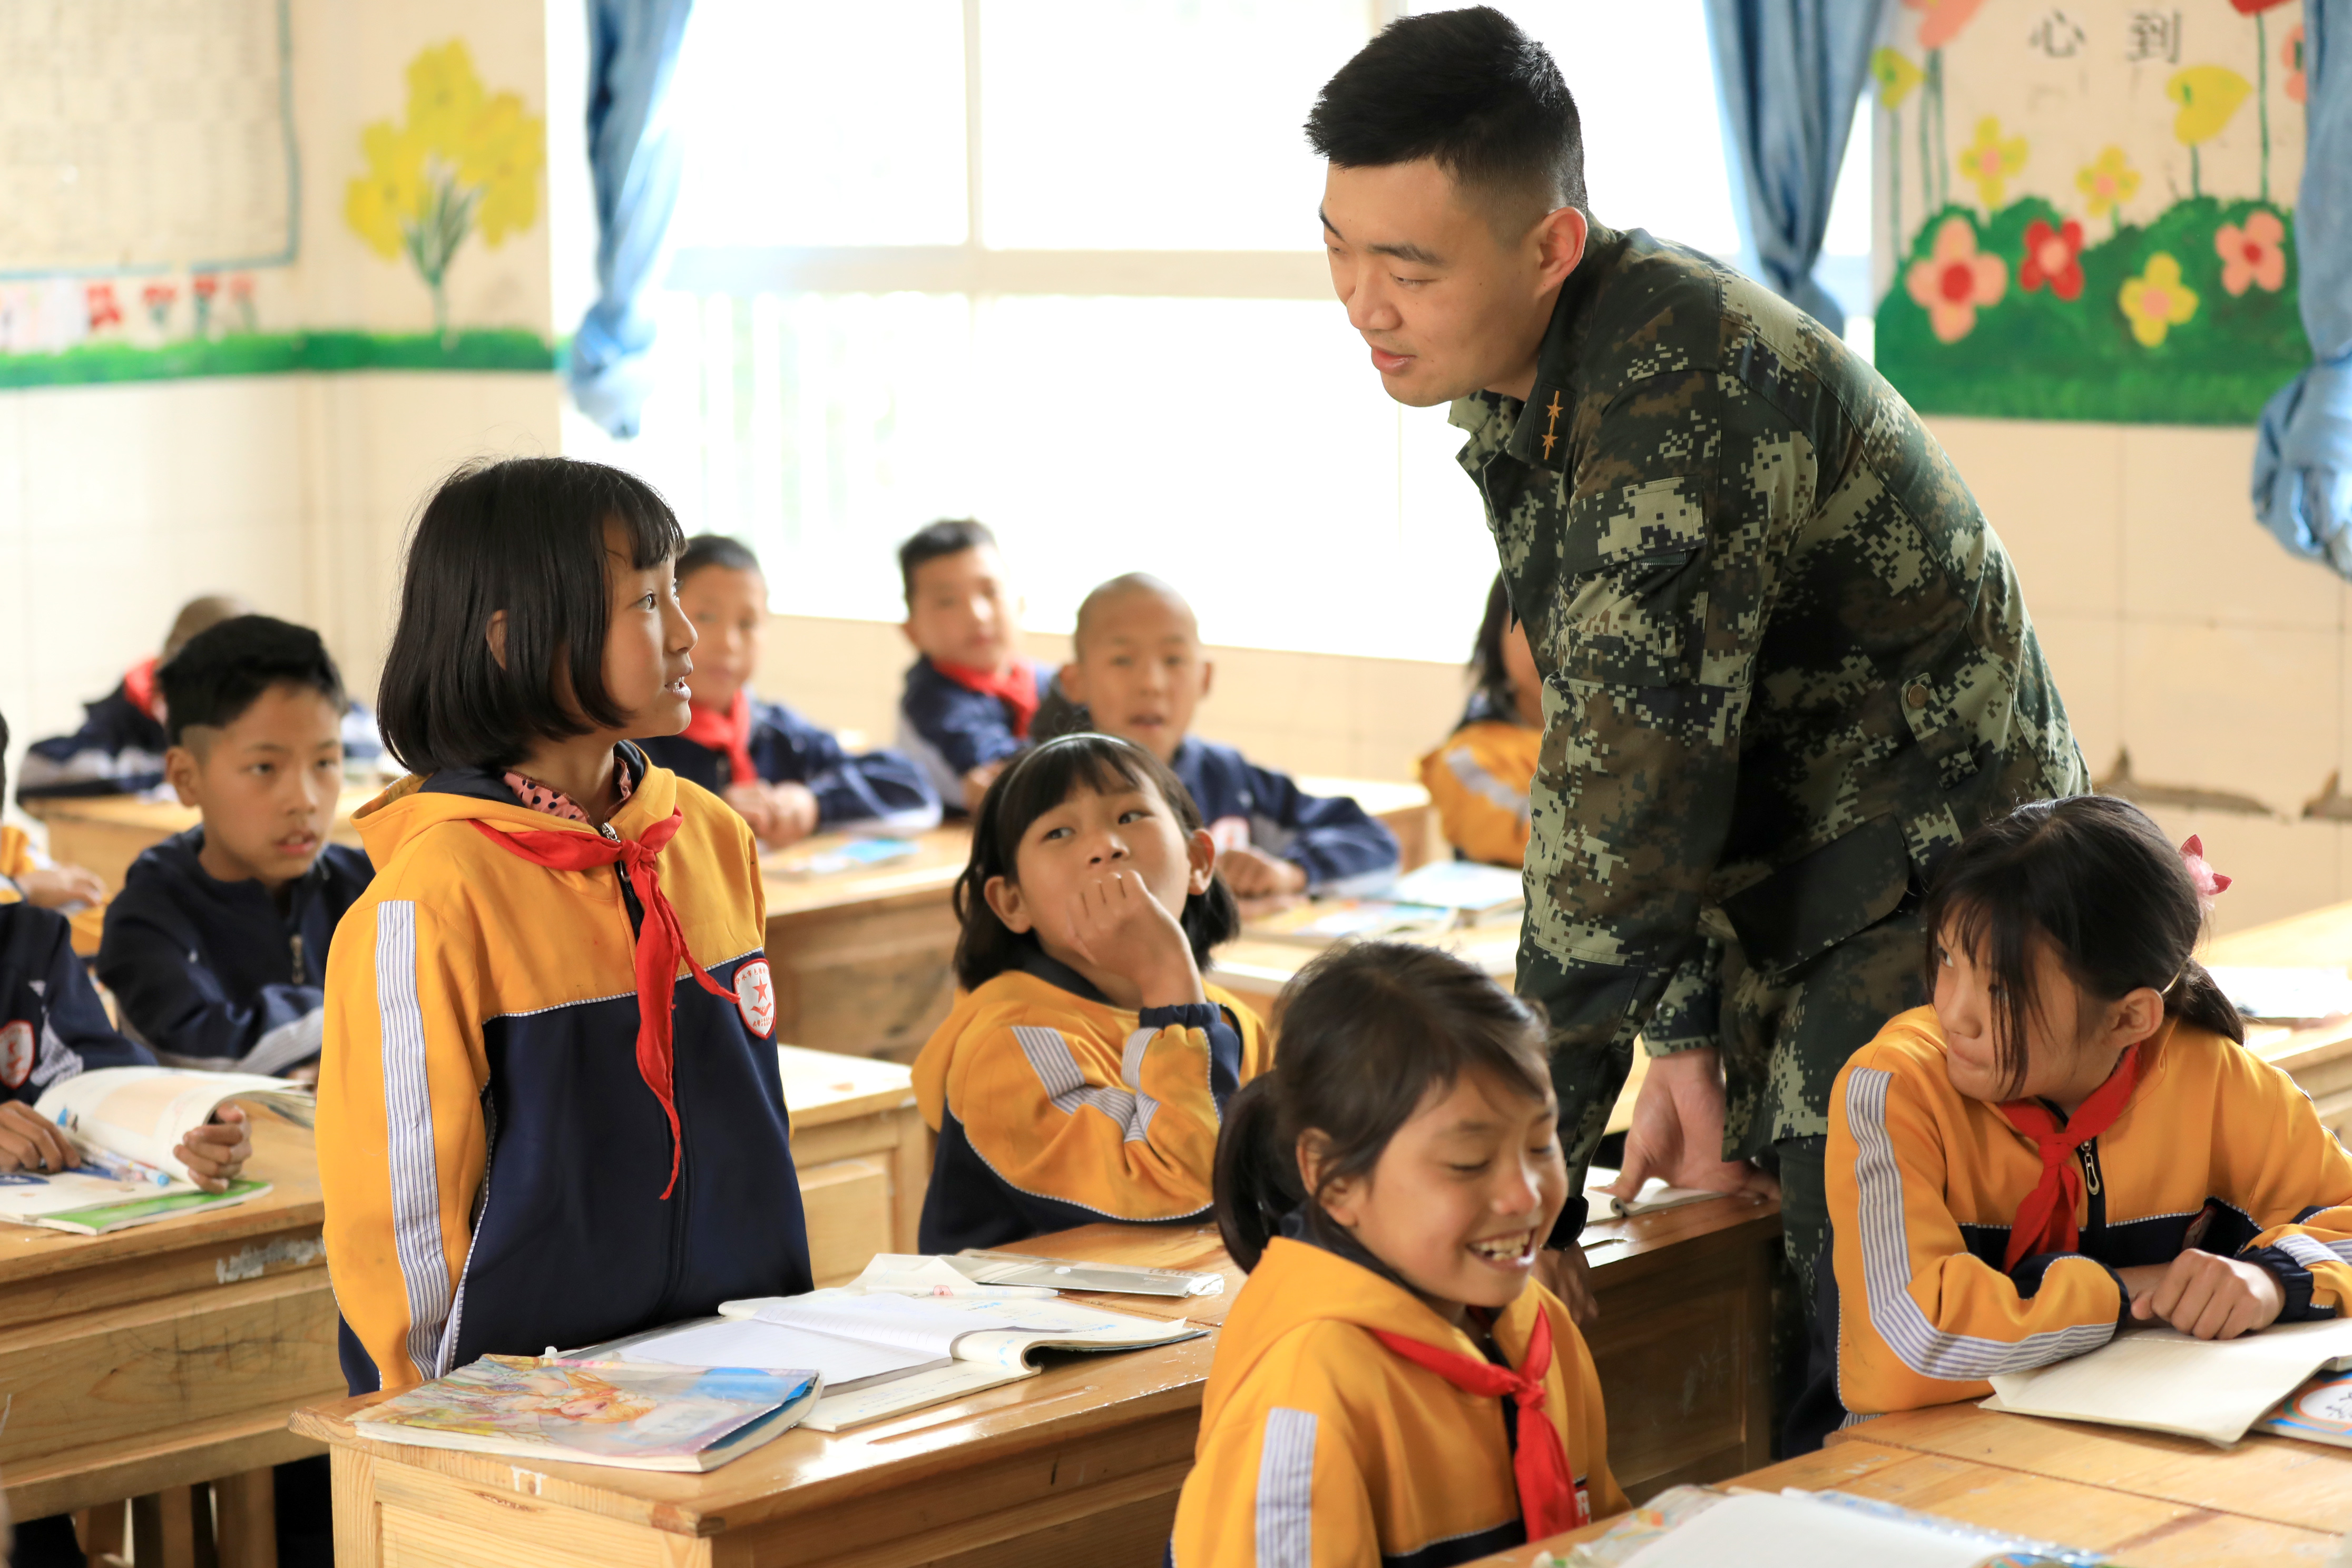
pixel 971 697
pixel 1139 673
pixel 216 946
pixel 786 776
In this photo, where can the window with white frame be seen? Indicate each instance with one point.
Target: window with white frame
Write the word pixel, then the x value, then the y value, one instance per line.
pixel 1056 263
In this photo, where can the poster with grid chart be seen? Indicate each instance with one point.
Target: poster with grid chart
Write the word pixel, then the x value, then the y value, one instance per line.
pixel 139 135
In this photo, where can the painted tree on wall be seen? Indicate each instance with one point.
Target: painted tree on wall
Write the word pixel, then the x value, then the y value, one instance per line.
pixel 2112 246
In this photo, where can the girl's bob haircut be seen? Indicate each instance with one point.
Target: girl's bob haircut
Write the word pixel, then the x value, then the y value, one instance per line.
pixel 2094 877
pixel 1368 1031
pixel 1038 781
pixel 527 536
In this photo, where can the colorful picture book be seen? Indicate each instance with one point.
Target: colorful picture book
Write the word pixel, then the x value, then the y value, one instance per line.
pixel 857 855
pixel 2318 1412
pixel 636 1418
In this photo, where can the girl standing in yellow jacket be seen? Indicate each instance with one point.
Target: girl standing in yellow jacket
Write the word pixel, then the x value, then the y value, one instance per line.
pixel 2073 1137
pixel 1479 778
pixel 1393 1384
pixel 1082 1074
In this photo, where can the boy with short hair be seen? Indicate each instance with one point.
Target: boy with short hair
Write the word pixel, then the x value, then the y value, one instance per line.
pixel 1138 669
pixel 216 946
pixel 971 696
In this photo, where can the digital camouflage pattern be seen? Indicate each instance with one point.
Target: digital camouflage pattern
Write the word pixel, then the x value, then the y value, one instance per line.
pixel 1786 666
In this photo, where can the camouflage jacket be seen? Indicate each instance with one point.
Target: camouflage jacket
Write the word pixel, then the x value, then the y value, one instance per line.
pixel 1785 662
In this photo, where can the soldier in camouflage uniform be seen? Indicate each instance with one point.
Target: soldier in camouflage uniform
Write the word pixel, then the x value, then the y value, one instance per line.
pixel 1786 664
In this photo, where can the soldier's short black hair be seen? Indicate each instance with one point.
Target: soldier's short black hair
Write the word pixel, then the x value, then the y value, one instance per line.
pixel 716 550
pixel 1468 88
pixel 210 683
pixel 935 540
pixel 525 535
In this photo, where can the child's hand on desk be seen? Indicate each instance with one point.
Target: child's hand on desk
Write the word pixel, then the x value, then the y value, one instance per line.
pixel 214 1152
pixel 2203 1293
pixel 1254 874
pixel 31 1141
pixel 793 808
pixel 1116 924
pixel 55 887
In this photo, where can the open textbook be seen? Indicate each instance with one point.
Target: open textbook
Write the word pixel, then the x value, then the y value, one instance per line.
pixel 881 1354
pixel 2165 1381
pixel 596 1412
pixel 126 1122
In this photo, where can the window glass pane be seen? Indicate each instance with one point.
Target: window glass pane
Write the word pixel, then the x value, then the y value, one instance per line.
pixel 799 131
pixel 1155 124
pixel 1643 81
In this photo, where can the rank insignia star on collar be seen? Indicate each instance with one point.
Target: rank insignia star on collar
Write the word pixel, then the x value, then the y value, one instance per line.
pixel 1551 428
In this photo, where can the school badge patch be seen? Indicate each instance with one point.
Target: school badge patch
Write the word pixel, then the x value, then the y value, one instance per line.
pixel 755 997
pixel 16 1053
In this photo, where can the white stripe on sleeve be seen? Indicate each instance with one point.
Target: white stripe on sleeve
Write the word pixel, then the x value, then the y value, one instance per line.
pixel 1286 1490
pixel 1066 1088
pixel 408 1128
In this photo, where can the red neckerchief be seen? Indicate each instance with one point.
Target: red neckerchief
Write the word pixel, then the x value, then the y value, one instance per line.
pixel 2044 1222
pixel 1549 1502
pixel 139 685
pixel 1017 688
pixel 660 942
pixel 730 732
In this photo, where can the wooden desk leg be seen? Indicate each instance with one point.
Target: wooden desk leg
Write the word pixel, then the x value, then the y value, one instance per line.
pixel 103 1532
pixel 163 1529
pixel 359 1532
pixel 246 1522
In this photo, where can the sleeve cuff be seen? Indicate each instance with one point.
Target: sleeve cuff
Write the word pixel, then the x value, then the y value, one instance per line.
pixel 1667 1048
pixel 2027 1278
pixel 1183 1015
pixel 1566 1229
pixel 2294 1278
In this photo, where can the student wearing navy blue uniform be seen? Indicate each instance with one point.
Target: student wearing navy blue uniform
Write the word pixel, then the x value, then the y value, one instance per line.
pixel 216 946
pixel 1139 673
pixel 53 1028
pixel 970 698
pixel 786 776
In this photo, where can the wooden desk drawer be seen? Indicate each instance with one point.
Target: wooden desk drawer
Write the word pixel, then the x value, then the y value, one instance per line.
pixel 847 1206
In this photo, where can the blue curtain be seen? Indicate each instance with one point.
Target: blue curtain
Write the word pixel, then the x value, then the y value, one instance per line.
pixel 1788 73
pixel 2302 462
pixel 634 157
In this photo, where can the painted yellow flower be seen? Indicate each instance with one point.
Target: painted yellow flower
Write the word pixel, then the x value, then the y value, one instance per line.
pixel 1989 161
pixel 504 151
pixel 2108 182
pixel 2156 301
pixel 2208 96
pixel 445 97
pixel 1896 75
pixel 391 192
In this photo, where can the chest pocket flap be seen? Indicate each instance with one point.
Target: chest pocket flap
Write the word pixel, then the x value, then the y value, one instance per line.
pixel 1630 600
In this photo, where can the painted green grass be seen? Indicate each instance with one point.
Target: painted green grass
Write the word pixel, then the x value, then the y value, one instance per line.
pixel 279 353
pixel 2035 356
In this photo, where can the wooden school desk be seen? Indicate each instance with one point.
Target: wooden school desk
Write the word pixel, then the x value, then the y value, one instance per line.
pixel 863 1155
pixel 105 833
pixel 1404 806
pixel 2142 1497
pixel 2319 1058
pixel 863 959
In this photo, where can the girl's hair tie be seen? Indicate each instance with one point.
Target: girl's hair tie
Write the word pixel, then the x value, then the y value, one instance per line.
pixel 2209 882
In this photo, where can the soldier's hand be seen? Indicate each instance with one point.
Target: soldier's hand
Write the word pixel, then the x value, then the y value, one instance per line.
pixel 1677 1131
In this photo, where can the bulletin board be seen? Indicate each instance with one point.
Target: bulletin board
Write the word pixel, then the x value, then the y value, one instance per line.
pixel 2086 211
pixel 145 135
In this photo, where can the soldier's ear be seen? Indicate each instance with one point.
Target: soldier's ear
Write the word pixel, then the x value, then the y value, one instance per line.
pixel 1560 239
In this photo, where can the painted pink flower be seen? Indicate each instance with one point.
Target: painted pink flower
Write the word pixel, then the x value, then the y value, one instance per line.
pixel 2052 255
pixel 1955 281
pixel 2251 253
pixel 1942 20
pixel 105 310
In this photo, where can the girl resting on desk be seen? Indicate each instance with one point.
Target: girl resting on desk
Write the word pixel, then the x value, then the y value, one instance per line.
pixel 1393 1384
pixel 1083 1073
pixel 2072 1139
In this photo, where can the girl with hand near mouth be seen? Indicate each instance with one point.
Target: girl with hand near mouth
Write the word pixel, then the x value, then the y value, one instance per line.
pixel 1393 1383
pixel 1083 1073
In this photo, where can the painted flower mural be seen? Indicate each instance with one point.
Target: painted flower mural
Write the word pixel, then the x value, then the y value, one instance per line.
pixel 2253 253
pixel 2108 182
pixel 2052 259
pixel 1989 161
pixel 2158 301
pixel 2208 96
pixel 1956 280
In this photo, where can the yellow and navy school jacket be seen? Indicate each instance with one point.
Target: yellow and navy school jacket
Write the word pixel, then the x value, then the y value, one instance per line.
pixel 880 788
pixel 210 975
pixel 1055 1109
pixel 948 729
pixel 52 1024
pixel 492 1162
pixel 19 858
pixel 1479 782
pixel 1342 848
pixel 2216 1150
pixel 1320 1447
